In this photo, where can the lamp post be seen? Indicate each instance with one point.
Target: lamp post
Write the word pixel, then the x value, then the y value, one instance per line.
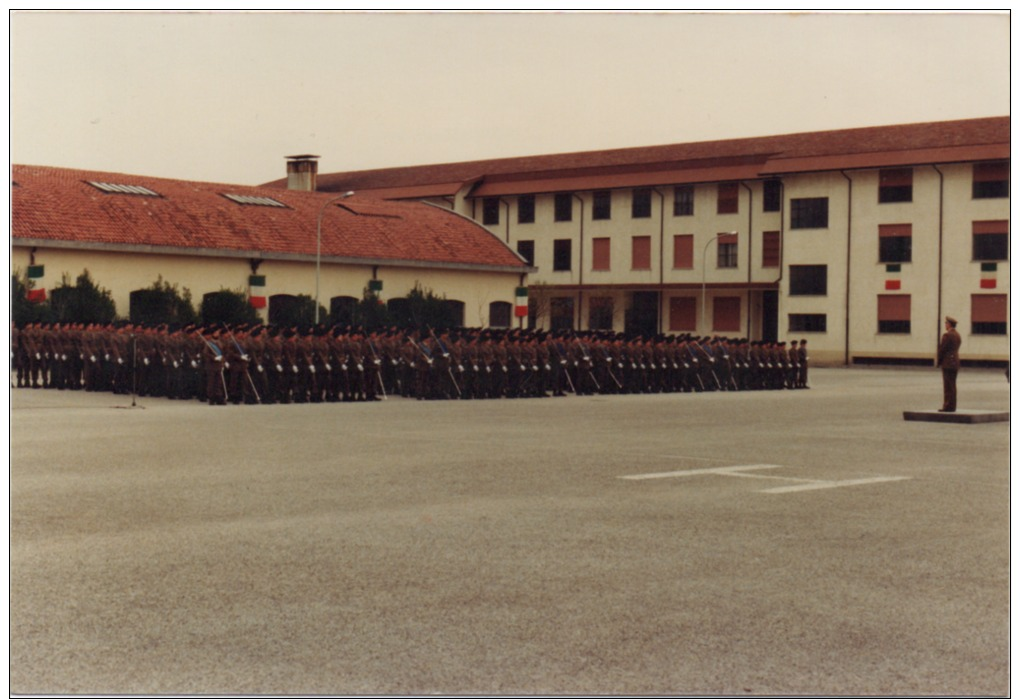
pixel 704 269
pixel 318 246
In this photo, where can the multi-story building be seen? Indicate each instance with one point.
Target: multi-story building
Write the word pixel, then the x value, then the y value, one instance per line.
pixel 858 240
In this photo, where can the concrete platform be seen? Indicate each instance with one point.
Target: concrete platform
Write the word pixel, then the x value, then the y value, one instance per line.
pixel 968 417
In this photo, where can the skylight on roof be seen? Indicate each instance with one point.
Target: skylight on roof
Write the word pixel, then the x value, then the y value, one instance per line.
pixel 248 200
pixel 123 189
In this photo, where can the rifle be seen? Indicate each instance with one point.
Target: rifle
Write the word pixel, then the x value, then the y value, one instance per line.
pixel 697 375
pixel 258 399
pixel 219 353
pixel 446 353
pixel 609 368
pixel 378 361
pixel 563 364
pixel 584 351
pixel 710 358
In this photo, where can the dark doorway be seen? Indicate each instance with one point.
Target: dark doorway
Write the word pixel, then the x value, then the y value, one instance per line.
pixel 770 316
pixel 642 318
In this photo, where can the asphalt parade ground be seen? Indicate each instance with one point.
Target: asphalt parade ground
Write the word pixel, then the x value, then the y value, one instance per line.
pixel 776 542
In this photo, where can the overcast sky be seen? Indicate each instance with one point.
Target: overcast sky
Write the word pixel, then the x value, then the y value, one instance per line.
pixel 224 97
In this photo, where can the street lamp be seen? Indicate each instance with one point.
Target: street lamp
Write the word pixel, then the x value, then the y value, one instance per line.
pixel 704 269
pixel 318 246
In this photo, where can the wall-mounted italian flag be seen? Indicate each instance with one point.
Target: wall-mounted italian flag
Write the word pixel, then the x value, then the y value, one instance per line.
pixel 257 290
pixel 521 302
pixel 988 275
pixel 37 294
pixel 892 281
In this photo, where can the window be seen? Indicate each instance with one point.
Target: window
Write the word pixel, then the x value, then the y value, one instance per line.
pixel 600 254
pixel 248 200
pixel 988 314
pixel 772 196
pixel 563 207
pixel 809 213
pixel 526 249
pixel 683 313
pixel 683 200
pixel 602 205
pixel 990 240
pixel 809 280
pixel 562 254
pixel 110 188
pixel 641 252
pixel 894 242
pixel 499 314
pixel 683 252
pixel 991 180
pixel 893 313
pixel 770 248
pixel 343 309
pixel 526 208
pixel 726 251
pixel 600 313
pixel 641 203
pixel 561 313
pixel 490 211
pixel 895 185
pixel 728 198
pixel 455 311
pixel 807 322
pixel 726 313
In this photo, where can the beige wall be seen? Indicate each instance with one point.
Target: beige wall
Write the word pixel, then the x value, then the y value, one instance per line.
pixel 123 273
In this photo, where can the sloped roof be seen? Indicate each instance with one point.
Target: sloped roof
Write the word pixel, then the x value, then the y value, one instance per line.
pixel 704 161
pixel 60 205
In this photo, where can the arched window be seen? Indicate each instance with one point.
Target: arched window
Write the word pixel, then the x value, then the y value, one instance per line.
pixel 456 310
pixel 400 310
pixel 500 314
pixel 227 307
pixel 341 310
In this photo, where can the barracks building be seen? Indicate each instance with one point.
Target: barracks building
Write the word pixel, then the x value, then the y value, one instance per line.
pixel 858 240
pixel 130 231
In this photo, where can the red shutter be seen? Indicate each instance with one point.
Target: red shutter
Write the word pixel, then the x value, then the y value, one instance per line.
pixel 683 252
pixel 726 313
pixel 600 253
pixel 895 230
pixel 683 313
pixel 990 227
pixel 770 249
pixel 900 177
pixel 894 307
pixel 728 198
pixel 991 172
pixel 641 252
pixel 988 308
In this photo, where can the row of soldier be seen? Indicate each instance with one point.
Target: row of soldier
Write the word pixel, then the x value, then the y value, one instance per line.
pixel 258 364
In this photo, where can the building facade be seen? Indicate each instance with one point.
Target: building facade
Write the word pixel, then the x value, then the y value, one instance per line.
pixel 130 231
pixel 858 240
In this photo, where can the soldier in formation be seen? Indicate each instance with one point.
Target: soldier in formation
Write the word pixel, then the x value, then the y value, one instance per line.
pixel 254 364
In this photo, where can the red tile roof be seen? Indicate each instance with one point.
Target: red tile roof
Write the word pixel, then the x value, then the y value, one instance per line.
pixel 57 204
pixel 705 161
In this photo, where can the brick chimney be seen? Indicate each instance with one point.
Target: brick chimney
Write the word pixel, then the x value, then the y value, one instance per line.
pixel 301 172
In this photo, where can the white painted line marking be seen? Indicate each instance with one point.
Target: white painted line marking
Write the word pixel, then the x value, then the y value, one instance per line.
pixel 745 472
pixel 721 471
pixel 821 485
